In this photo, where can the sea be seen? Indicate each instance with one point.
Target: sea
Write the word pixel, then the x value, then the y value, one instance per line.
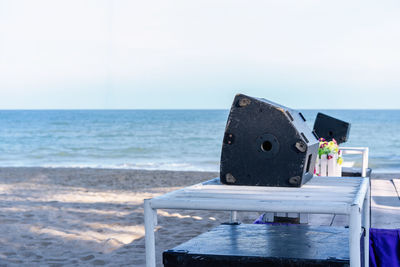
pixel 189 140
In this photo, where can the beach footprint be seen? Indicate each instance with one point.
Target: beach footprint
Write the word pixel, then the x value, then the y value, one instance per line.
pixel 87 258
pixel 98 262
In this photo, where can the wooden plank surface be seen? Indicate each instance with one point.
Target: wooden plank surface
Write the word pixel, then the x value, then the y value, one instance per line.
pixel 327 189
pixel 385 201
pixel 385 207
pixel 321 195
pixel 384 194
pixel 214 194
pixel 385 204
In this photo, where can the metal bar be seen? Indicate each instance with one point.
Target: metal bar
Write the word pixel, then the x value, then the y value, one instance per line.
pixel 234 189
pixel 340 185
pixel 366 220
pixel 354 236
pixel 320 196
pixel 252 205
pixel 267 195
pixel 359 150
pixel 365 162
pixel 344 185
pixel 149 234
pixel 361 192
pixel 316 181
pixel 211 183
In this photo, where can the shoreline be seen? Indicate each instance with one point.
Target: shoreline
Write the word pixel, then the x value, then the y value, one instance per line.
pixel 375 175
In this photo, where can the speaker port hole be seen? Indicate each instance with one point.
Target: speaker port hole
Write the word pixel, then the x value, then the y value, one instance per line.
pixel 266 146
pixel 309 163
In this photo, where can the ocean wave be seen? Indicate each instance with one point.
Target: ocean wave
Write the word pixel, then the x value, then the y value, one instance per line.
pixel 169 166
pixel 160 140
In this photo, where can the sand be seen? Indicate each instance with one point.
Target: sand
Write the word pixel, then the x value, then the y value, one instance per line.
pixel 69 217
pixel 87 217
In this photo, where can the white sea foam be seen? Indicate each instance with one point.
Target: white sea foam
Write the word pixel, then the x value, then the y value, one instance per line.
pixel 138 166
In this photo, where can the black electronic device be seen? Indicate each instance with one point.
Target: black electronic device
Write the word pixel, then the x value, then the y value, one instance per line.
pixel 330 128
pixel 266 144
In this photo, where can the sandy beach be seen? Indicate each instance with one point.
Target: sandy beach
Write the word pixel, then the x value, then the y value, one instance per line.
pixel 86 217
pixel 70 217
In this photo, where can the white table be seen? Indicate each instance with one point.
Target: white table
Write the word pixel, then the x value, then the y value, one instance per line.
pixel 321 195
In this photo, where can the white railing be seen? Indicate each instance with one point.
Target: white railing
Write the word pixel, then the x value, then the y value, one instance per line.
pixel 358 151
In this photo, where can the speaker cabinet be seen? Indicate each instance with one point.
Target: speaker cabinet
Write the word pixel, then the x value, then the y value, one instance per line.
pixel 329 127
pixel 266 144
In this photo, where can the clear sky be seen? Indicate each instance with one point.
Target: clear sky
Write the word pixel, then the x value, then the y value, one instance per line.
pixel 198 54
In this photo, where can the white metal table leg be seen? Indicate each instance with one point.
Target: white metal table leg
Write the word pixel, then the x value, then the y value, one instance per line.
pixel 364 165
pixel 366 219
pixel 233 218
pixel 149 224
pixel 355 234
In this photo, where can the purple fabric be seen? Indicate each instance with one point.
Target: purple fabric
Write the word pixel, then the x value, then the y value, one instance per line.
pixel 384 247
pixel 259 220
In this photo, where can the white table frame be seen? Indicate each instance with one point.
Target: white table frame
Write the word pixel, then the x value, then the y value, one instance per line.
pixel 321 195
pixel 363 151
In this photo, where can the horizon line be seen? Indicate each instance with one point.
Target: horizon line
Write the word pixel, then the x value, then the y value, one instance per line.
pixel 172 109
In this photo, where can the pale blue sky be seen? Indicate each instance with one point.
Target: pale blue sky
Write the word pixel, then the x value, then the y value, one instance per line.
pixel 198 54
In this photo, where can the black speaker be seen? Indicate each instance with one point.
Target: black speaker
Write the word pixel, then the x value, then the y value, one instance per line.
pixel 329 127
pixel 266 144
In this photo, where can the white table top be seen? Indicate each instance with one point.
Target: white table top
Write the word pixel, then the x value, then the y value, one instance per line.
pixel 320 195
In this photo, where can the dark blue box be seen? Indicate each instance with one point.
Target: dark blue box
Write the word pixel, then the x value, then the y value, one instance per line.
pixel 264 245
